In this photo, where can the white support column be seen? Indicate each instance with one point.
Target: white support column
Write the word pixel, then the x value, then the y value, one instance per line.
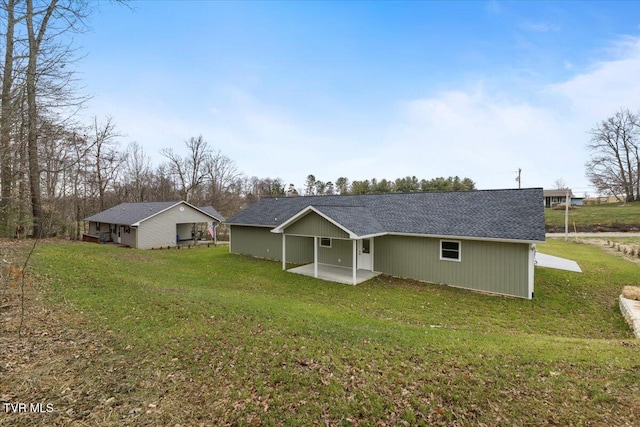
pixel 284 251
pixel 315 257
pixel 355 261
pixel 531 273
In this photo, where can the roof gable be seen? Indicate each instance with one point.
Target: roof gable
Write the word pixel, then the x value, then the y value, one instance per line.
pixel 133 214
pixel 312 221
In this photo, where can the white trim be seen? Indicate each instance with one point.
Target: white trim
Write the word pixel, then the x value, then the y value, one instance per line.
pixel 482 239
pixel 459 259
pixel 531 274
pixel 284 251
pixel 247 225
pixel 371 236
pixel 432 236
pixel 280 228
pixel 354 262
pixel 315 256
pixel 308 235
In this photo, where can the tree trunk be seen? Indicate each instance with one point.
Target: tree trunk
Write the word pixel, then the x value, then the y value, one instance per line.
pixel 6 167
pixel 35 41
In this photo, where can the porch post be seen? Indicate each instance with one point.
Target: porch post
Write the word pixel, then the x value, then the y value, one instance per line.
pixel 315 257
pixel 353 264
pixel 284 252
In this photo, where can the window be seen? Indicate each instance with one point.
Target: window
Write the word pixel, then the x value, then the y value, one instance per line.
pixel 449 250
pixel 97 226
pixel 127 229
pixel 325 242
pixel 366 246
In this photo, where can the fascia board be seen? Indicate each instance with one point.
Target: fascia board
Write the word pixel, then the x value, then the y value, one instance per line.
pixel 483 239
pixel 247 225
pixel 200 210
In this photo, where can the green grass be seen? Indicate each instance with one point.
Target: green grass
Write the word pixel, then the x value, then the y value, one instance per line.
pixel 605 214
pixel 216 338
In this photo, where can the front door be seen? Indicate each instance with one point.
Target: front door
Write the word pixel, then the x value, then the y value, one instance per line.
pixel 119 239
pixel 365 254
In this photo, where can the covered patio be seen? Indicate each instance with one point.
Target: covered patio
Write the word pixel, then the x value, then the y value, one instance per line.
pixel 335 273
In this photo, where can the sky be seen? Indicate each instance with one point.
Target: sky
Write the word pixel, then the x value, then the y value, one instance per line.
pixel 368 89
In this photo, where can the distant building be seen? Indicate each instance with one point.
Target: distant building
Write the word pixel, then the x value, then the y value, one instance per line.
pixel 554 198
pixel 153 224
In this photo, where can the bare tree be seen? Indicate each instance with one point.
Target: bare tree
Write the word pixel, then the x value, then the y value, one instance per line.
pixel 614 163
pixel 189 171
pixel 106 156
pixel 222 175
pixel 45 23
pixel 137 172
pixel 560 184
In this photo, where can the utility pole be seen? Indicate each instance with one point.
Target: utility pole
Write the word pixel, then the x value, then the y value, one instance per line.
pixel 567 201
pixel 519 178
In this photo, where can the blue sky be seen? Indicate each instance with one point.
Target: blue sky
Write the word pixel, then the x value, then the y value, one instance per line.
pixel 368 89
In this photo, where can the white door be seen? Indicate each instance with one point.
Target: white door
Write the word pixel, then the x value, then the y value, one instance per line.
pixel 119 239
pixel 365 254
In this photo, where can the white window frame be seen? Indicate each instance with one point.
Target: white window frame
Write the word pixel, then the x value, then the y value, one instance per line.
pixel 324 238
pixel 459 258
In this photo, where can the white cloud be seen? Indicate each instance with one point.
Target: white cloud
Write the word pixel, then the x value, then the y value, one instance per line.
pixel 606 87
pixel 478 133
pixel 487 137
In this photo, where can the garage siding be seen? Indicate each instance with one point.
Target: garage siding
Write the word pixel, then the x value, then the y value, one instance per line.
pixel 340 253
pixel 161 229
pixel 485 266
pixel 260 242
pixel 313 224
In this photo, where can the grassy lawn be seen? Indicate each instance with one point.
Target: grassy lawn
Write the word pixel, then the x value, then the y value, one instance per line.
pixel 606 214
pixel 202 337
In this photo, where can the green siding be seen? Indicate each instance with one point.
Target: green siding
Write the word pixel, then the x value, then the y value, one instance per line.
pixel 485 266
pixel 262 243
pixel 313 224
pixel 340 253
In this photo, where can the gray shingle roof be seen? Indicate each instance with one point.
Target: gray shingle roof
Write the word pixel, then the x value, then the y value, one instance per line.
pixel 211 211
pixel 132 213
pixel 492 214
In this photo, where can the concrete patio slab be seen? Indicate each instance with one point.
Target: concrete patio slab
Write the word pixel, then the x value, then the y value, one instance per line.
pixel 334 273
pixel 550 261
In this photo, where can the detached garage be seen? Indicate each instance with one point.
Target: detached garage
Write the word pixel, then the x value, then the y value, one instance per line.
pixel 154 224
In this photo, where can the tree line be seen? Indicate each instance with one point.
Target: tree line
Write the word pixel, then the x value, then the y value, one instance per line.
pixel 409 184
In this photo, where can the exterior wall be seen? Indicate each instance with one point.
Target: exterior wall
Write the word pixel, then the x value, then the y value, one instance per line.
pixel 184 231
pixel 340 253
pixel 104 230
pixel 260 242
pixel 161 229
pixel 313 224
pixel 485 266
pixel 130 237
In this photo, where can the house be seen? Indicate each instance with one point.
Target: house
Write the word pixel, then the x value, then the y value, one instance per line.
pixel 482 240
pixel 558 197
pixel 154 224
